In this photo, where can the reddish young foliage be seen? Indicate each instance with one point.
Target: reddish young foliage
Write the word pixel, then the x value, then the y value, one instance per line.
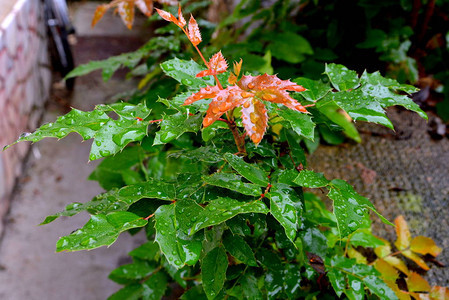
pixel 234 76
pixel 125 8
pixel 99 13
pixel 126 12
pixel 180 22
pixel 247 94
pixel 217 65
pixel 193 33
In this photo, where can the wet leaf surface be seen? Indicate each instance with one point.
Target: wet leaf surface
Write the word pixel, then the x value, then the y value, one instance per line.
pixel 100 230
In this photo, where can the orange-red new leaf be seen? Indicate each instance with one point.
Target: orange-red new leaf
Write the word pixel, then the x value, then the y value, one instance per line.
pixel 271 88
pixel 126 12
pixel 217 65
pixel 194 33
pixel 145 6
pixel 99 13
pixel 248 94
pixel 254 119
pixel 181 21
pixel 166 15
pixel 238 67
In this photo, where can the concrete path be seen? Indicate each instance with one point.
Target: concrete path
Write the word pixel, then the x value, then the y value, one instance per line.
pixel 55 176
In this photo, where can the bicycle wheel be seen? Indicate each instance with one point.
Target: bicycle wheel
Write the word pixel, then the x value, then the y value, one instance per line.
pixel 60 50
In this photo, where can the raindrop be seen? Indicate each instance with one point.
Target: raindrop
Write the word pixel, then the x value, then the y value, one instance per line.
pixel 186 81
pixel 24 135
pixel 105 152
pixel 168 67
pixel 352 225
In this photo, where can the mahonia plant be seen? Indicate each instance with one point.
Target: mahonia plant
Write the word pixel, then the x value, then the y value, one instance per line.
pixel 225 212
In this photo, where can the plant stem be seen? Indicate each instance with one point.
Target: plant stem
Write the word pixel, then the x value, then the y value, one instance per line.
pixel 239 139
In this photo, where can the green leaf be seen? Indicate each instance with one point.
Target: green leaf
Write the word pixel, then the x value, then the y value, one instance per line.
pixel 350 208
pixel 133 272
pixel 250 287
pixel 311 179
pixel 116 134
pixel 177 103
pixel 361 106
pixel 185 72
pixel 274 284
pixel 110 136
pixel 290 47
pixel 149 189
pixel 111 171
pixel 292 280
pixel 383 90
pixel 211 131
pixel 238 225
pixel 301 123
pixel 207 154
pixel 332 111
pixel 286 207
pixel 119 200
pixel 269 259
pixel 343 271
pixel 314 241
pixel 213 271
pixel 129 292
pixel 249 171
pixel 222 209
pixel 315 89
pixel 103 203
pixel 178 248
pixel 173 126
pixel 287 176
pixel 145 251
pixel 194 293
pixel 341 77
pixel 364 238
pixel 100 230
pixel 238 248
pixel 130 59
pixel 233 182
pixel 154 287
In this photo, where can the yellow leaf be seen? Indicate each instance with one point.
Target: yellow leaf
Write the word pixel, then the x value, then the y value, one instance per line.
pixel 416 283
pixel 386 270
pixel 418 260
pixel 403 233
pixel 359 258
pixel 424 245
pixel 402 295
pixel 397 263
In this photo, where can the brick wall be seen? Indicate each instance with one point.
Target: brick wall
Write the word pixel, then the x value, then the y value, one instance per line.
pixel 24 86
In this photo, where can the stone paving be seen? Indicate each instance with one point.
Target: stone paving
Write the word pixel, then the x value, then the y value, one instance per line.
pixel 403 172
